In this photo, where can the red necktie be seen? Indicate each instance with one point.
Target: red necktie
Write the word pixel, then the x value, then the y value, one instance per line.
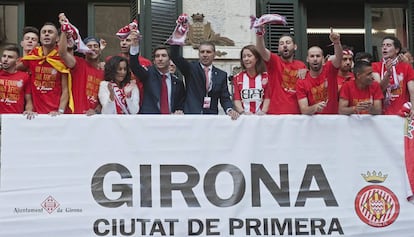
pixel 164 108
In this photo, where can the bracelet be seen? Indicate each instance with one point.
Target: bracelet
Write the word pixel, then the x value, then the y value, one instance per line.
pixel 259 33
pixel 61 111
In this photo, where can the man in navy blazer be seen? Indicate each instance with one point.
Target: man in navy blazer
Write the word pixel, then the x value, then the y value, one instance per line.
pixel 205 84
pixel 151 79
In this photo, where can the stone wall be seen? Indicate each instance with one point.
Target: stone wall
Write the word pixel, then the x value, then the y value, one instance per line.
pixel 230 19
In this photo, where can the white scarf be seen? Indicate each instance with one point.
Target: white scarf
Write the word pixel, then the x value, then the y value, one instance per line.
pixel 120 100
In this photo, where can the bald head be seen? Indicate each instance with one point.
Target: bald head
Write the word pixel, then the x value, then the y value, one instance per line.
pixel 315 58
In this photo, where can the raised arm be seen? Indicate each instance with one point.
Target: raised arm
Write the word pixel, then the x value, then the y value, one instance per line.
pixel 182 64
pixel 260 45
pixel 336 41
pixel 177 39
pixel 139 71
pixel 67 33
pixel 67 57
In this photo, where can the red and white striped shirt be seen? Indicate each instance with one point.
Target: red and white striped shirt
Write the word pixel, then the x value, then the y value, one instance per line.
pixel 251 91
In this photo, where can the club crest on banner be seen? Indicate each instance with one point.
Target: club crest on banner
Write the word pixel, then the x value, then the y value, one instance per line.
pixel 376 205
pixel 409 128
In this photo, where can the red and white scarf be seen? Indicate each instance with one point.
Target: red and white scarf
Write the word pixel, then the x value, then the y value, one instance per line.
pixel 120 100
pixel 73 34
pixel 394 81
pixel 179 35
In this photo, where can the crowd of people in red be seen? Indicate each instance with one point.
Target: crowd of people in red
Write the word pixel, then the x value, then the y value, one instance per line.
pixel 49 78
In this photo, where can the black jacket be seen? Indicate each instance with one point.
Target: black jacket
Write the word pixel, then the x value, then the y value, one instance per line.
pixel 151 79
pixel 195 82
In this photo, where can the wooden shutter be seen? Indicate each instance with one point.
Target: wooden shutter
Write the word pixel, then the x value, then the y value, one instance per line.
pixel 296 22
pixel 275 31
pixel 134 9
pixel 157 21
pixel 164 14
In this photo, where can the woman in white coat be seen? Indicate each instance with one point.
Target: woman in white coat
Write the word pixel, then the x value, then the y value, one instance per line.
pixel 117 93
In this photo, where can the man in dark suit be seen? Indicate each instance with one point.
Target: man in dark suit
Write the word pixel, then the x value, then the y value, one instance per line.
pixel 205 84
pixel 152 79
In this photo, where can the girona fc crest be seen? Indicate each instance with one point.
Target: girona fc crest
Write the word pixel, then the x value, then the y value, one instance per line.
pixel 409 128
pixel 376 205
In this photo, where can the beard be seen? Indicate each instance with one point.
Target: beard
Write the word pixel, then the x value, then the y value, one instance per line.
pixel 286 54
pixel 316 67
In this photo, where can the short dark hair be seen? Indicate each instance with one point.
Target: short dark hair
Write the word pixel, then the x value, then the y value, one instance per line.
pixel 396 42
pixel 48 23
pixel 91 38
pixel 288 35
pixel 405 50
pixel 12 47
pixel 161 47
pixel 111 68
pixel 208 43
pixel 359 66
pixel 347 47
pixel 30 29
pixel 363 56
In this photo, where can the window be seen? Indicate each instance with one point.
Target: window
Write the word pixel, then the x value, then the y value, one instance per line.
pixel 348 23
pixel 387 21
pixel 8 25
pixel 108 19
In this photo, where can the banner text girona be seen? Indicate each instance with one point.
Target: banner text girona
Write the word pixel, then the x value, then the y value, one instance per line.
pixel 258 173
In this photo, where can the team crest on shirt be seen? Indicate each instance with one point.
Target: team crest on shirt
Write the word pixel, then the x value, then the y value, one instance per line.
pixel 19 83
pixel 376 205
pixel 265 78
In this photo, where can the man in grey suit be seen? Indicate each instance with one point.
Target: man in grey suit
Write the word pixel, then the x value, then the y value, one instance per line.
pixel 205 84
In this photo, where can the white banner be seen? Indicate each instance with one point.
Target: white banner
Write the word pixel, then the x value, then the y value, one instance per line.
pixel 204 176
